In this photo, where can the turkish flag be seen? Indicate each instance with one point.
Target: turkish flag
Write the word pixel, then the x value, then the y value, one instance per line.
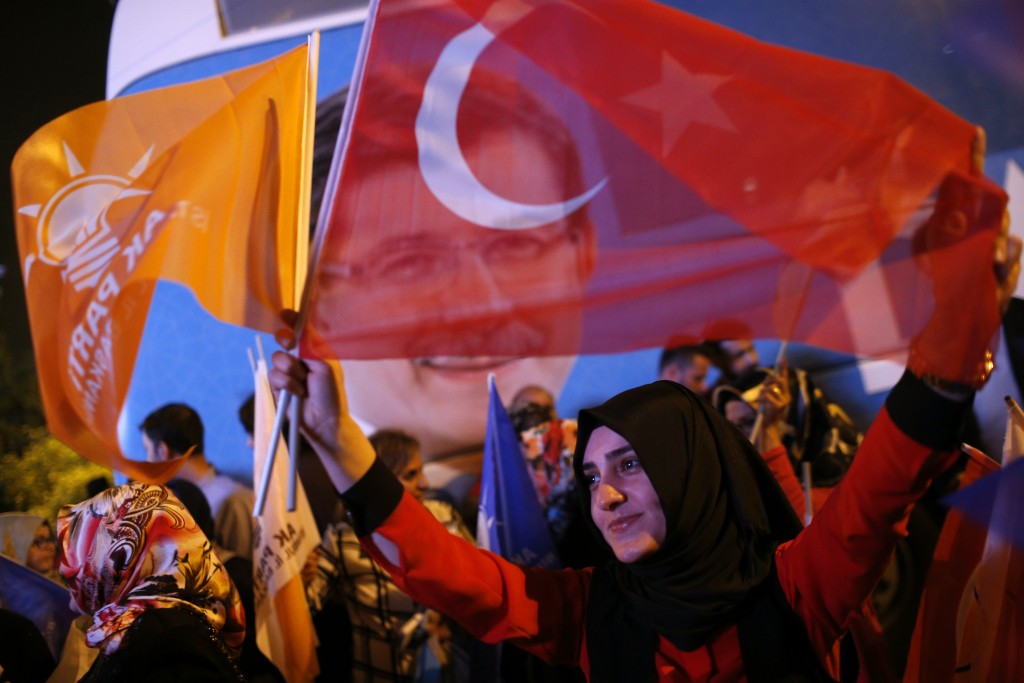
pixel 526 177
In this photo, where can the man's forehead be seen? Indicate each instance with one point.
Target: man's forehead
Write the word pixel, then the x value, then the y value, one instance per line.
pixel 433 227
pixel 698 362
pixel 515 164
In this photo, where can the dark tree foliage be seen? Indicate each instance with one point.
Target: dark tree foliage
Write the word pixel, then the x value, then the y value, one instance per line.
pixel 20 405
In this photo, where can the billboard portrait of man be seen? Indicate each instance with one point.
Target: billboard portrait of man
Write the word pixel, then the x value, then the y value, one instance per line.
pixel 487 289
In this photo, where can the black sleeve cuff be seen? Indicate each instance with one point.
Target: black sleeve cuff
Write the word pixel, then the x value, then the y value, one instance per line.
pixel 373 498
pixel 925 416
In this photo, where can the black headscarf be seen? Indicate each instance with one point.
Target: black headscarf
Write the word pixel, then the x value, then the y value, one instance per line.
pixel 725 515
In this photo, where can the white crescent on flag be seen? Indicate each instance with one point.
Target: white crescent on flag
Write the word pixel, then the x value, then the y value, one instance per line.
pixel 442 164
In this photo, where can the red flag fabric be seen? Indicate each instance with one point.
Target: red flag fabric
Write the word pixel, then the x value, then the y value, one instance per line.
pixel 198 184
pixel 528 177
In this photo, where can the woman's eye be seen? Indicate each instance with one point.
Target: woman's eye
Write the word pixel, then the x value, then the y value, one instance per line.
pixel 632 464
pixel 590 480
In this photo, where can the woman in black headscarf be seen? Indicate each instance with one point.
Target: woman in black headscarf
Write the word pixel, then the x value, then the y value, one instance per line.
pixel 724 516
pixel 713 579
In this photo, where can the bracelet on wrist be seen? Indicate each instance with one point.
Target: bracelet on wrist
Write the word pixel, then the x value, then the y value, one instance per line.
pixel 960 387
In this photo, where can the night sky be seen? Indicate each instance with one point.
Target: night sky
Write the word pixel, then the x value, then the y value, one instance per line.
pixel 55 57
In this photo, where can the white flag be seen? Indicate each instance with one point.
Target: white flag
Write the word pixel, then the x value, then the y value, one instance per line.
pixel 282 542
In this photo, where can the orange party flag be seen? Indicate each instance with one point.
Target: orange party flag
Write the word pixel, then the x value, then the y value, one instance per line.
pixel 200 184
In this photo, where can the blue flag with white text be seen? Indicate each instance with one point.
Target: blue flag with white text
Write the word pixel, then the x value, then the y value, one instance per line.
pixel 510 520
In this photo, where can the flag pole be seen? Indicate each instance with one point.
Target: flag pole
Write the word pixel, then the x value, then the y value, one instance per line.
pixel 790 297
pixel 293 451
pixel 755 433
pixel 301 277
pixel 805 467
pixel 805 471
pixel 261 494
pixel 325 208
pixel 302 243
pixel 275 435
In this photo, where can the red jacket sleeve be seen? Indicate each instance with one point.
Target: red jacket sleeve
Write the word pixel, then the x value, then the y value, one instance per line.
pixel 540 610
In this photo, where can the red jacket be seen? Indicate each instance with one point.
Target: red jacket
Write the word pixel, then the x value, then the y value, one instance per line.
pixel 826 572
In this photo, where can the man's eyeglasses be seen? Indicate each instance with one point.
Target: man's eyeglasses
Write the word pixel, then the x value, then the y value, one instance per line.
pixel 423 259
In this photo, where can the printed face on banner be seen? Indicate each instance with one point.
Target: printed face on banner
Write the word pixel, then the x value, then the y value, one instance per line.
pixel 463 254
pixel 511 286
pixel 501 289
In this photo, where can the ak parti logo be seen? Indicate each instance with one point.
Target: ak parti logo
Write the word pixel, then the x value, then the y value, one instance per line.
pixel 73 231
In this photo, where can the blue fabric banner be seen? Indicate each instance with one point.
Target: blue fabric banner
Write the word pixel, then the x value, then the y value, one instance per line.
pixel 42 601
pixel 511 521
pixel 978 500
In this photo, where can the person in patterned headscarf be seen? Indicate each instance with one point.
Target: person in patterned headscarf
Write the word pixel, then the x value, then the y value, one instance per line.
pixel 162 605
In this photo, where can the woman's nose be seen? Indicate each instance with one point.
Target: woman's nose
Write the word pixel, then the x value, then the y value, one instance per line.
pixel 608 497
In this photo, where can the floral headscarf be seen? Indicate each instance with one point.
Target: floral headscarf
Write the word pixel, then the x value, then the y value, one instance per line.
pixel 134 548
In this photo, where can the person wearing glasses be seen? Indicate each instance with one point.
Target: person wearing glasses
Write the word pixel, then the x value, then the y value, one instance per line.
pixel 29 540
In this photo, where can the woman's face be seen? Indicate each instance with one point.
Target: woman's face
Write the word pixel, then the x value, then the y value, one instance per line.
pixel 623 503
pixel 412 477
pixel 43 550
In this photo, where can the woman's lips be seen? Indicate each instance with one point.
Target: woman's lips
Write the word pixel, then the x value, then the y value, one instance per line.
pixel 623 523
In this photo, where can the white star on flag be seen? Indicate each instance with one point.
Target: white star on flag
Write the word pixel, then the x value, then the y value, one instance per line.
pixel 682 98
pixel 836 205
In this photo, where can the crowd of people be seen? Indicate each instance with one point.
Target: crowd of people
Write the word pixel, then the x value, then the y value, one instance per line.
pixel 713 573
pixel 716 530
